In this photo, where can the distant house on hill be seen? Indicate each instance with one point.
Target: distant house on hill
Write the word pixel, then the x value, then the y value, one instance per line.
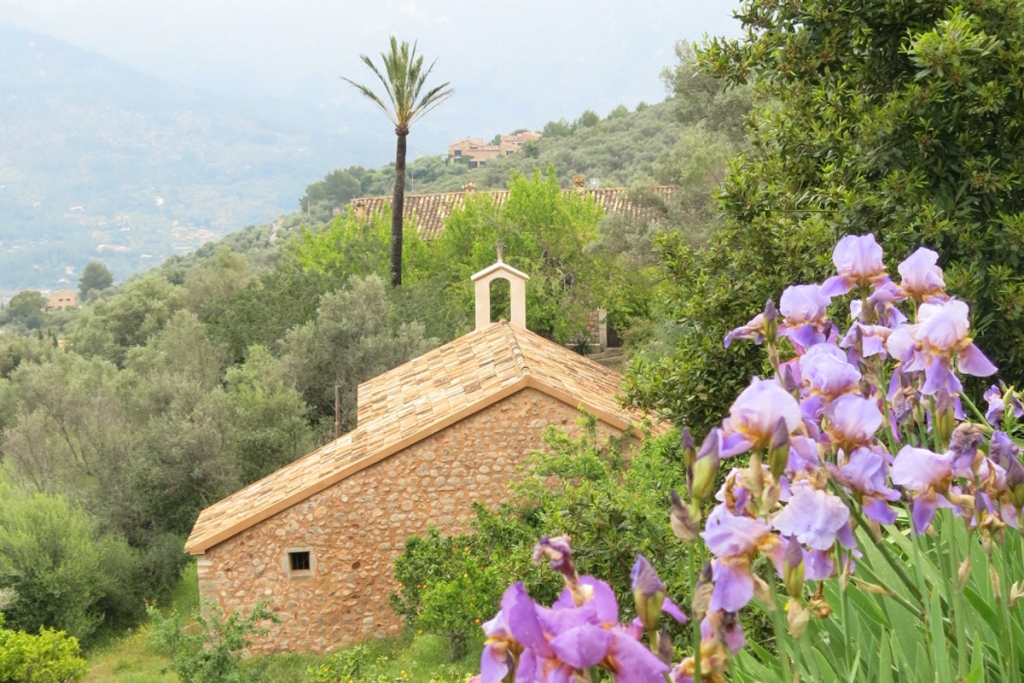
pixel 318 538
pixel 479 153
pixel 431 210
pixel 61 300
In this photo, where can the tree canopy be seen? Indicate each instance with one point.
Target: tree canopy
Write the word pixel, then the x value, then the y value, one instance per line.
pixel 900 119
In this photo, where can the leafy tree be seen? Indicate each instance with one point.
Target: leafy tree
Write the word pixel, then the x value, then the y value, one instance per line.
pixel 27 308
pixel 268 422
pixel 336 189
pixel 354 337
pixel 65 572
pixel 588 119
pixel 899 120
pixel 95 277
pixel 406 103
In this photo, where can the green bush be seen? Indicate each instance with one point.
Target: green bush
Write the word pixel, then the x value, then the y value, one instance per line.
pixel 50 657
pixel 65 572
pixel 210 649
pixel 609 500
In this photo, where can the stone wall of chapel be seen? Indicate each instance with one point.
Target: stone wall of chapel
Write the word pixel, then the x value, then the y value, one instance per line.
pixel 356 528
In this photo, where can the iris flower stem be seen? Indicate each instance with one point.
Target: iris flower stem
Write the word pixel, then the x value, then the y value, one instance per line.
pixel 900 600
pixel 883 391
pixel 1007 635
pixel 936 437
pixel 948 533
pixel 894 562
pixel 974 409
pixel 845 601
pixel 693 614
pixel 919 575
pixel 781 641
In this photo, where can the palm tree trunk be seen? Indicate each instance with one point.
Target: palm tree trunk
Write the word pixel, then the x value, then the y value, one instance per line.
pixel 397 208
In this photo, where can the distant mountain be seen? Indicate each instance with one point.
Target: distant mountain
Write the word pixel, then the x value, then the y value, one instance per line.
pixel 98 161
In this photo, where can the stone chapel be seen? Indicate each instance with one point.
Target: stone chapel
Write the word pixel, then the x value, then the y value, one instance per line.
pixel 317 539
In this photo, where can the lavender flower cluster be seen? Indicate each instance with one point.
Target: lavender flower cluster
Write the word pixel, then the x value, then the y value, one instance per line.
pixel 851 426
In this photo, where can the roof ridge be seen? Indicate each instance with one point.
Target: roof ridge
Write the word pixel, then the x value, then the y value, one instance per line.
pixel 517 352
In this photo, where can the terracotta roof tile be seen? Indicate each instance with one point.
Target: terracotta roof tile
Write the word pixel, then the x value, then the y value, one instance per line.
pixel 413 401
pixel 431 210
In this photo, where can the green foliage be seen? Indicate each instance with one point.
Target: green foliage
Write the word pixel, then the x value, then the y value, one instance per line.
pixel 95 277
pixel 65 572
pixel 448 586
pixel 609 499
pixel 210 649
pixel 50 657
pixel 27 308
pixel 903 123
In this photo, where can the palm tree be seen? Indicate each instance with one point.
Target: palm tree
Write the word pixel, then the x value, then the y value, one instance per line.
pixel 403 78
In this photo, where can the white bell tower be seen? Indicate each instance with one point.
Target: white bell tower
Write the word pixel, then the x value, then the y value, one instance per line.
pixel 517 292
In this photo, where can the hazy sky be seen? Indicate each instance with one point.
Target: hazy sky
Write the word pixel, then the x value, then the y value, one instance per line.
pixel 513 63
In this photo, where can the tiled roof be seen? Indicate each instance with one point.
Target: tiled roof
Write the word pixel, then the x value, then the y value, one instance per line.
pixel 431 210
pixel 409 403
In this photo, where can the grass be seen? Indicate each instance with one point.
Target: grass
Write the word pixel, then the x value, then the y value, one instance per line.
pixel 408 659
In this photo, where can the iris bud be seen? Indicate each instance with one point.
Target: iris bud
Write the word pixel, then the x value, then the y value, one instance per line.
pixel 685 521
pixel 689 448
pixel 648 593
pixel 706 468
pixel 793 569
pixel 778 449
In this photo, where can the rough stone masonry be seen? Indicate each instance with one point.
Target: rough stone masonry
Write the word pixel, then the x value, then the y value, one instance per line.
pixel 355 529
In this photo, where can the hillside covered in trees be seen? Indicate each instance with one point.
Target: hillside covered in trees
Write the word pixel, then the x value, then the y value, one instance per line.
pixel 122 419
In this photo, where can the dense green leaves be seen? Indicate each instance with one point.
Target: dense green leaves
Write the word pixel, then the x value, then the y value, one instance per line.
pixel 900 119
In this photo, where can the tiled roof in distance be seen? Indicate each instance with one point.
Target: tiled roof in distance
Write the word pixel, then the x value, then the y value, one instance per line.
pixel 413 401
pixel 431 210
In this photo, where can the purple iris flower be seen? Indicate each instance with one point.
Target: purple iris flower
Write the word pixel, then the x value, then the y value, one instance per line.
pixel 942 331
pixel 805 309
pixel 733 540
pixel 826 372
pixel 803 455
pixel 812 516
pixel 997 406
pixel 853 421
pixel 730 633
pixel 649 594
pixel 858 260
pixel 754 415
pixel 865 471
pixel 867 340
pixel 921 277
pixel 925 473
pixel 497 655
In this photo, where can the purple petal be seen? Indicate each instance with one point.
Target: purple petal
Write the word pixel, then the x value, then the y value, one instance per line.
pixel 918 469
pixel 974 362
pixel 924 512
pixel 879 511
pixel 938 377
pixel 521 617
pixel 734 444
pixel 672 609
pixel 634 663
pixel 812 516
pixel 818 565
pixel 493 664
pixel 526 669
pixel 582 647
pixel 734 587
pixel 728 535
pixel 604 602
pixel 805 336
pixel 837 285
pixel 734 638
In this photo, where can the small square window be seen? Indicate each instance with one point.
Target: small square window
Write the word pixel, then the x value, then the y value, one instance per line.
pixel 299 561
